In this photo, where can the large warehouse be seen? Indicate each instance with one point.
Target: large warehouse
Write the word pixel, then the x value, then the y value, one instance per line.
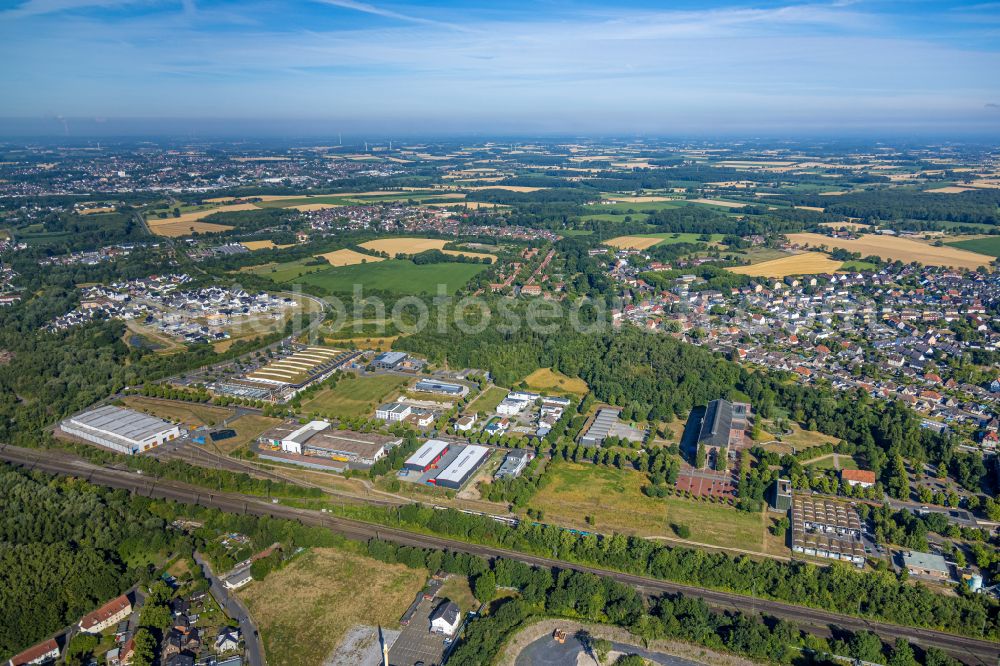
pixel 122 430
pixel 462 468
pixel 426 456
pixel 317 439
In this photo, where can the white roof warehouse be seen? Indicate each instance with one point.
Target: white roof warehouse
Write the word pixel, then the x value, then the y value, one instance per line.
pixel 463 467
pixel 122 430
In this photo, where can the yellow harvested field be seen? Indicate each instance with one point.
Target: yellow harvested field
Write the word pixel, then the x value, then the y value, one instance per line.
pixel 806 263
pixel 169 226
pixel 394 246
pixel 892 248
pixel 818 209
pixel 220 200
pixel 510 188
pixel 632 242
pixel 718 202
pixel 992 184
pixel 177 229
pixel 261 245
pixel 96 211
pixel 844 225
pixel 835 193
pixel 347 257
pixel 949 190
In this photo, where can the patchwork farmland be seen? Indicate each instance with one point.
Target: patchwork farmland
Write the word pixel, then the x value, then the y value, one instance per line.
pixel 893 248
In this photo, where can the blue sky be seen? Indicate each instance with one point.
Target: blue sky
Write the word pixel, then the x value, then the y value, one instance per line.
pixel 556 66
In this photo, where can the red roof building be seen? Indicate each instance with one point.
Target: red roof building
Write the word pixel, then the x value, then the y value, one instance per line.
pixel 39 654
pixel 858 477
pixel 107 615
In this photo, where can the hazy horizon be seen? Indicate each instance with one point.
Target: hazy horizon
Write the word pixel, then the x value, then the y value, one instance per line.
pixel 563 67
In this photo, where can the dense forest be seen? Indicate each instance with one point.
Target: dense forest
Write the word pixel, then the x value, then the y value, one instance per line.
pixel 66 547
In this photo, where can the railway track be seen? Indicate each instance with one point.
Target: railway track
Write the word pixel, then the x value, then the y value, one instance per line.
pixel 971 651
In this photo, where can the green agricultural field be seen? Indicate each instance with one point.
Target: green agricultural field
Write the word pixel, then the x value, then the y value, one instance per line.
pixel 351 398
pixel 614 498
pixel 395 275
pixel 673 239
pixel 614 217
pixel 287 271
pixel 302 201
pixel 989 245
pixel 648 206
pixel 857 266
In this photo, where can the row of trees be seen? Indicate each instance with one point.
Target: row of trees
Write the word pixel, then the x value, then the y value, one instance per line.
pixel 565 593
pixel 836 588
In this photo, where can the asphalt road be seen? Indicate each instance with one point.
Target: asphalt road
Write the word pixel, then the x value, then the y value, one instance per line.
pixel 235 608
pixel 968 650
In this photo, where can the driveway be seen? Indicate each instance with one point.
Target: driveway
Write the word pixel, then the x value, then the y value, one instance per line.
pixel 235 608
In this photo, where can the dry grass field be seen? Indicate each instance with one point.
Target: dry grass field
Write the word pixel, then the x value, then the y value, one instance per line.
pixel 188 414
pixel 394 246
pixel 547 379
pixel 796 264
pixel 891 248
pixel 306 608
pixel 347 257
pixel 633 242
pixel 818 209
pixel 614 498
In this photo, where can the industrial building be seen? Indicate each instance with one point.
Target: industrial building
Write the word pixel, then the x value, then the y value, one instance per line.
pixel 432 386
pixel 781 495
pixel 601 427
pixel 389 360
pixel 317 439
pixel 295 372
pixel 426 456
pixel 724 425
pixel 514 464
pixel 824 528
pixel 928 565
pixel 123 430
pixel 393 412
pixel 462 468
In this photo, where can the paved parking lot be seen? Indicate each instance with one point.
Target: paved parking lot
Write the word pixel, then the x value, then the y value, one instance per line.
pixel 416 643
